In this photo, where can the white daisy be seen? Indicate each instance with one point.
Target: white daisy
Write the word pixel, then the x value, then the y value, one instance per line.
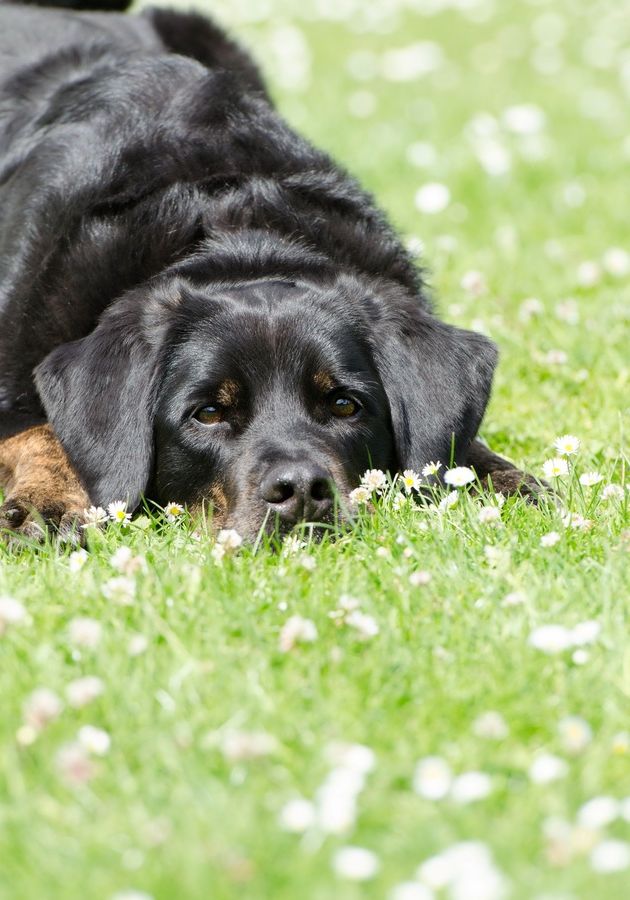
pixel 575 734
pixel 229 539
pixel 598 812
pixel 431 468
pixel 432 198
pixel 173 511
pixel 94 517
pixel 490 725
pixel 11 613
pixel 117 512
pixel 610 856
pixel 42 707
pixel 355 863
pixel 474 283
pixel 410 480
pixel 546 767
pixel 432 778
pixel 365 625
pixel 551 638
pixel 374 480
pixel 490 515
pixel 82 691
pixel 419 578
pixel 120 590
pixel 94 740
pixel 77 559
pixel 459 476
pixel 612 492
pixel 297 630
pixel 550 539
pixel 567 445
pixel 360 494
pixel 590 479
pixel 85 632
pixel 470 786
pixel 555 468
pixel 297 816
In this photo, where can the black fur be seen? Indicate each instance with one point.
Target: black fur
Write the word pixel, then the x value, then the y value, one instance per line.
pixel 163 231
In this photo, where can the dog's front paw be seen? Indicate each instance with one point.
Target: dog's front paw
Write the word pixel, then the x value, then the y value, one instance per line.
pixel 513 481
pixel 25 518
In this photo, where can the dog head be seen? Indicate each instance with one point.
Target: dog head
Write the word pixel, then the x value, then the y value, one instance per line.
pixel 266 398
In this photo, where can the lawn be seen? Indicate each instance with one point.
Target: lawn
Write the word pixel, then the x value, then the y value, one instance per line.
pixel 231 754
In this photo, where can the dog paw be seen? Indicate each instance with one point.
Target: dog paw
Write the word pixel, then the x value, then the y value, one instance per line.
pixel 512 481
pixel 26 520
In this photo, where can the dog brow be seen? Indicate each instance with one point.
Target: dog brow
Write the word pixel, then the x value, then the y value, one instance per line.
pixel 227 392
pixel 324 381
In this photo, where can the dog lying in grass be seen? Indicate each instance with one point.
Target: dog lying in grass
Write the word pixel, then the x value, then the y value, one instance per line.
pixel 195 303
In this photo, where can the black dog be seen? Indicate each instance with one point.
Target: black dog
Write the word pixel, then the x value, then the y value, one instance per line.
pixel 201 305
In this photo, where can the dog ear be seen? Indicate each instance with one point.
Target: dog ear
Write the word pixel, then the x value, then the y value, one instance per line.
pixel 98 394
pixel 438 380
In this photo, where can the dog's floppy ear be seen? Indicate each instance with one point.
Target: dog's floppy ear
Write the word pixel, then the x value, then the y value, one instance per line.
pixel 98 394
pixel 437 379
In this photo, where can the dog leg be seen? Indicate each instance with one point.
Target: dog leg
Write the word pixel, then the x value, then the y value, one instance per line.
pixel 504 477
pixel 40 487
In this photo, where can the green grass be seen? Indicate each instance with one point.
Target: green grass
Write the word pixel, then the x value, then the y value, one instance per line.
pixel 168 810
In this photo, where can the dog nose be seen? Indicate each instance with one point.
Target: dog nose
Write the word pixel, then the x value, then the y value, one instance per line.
pixel 300 492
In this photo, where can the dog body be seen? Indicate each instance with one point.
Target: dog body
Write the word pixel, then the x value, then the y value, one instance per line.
pixel 201 305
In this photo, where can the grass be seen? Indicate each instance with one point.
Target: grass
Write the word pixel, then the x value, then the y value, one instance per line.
pixel 173 809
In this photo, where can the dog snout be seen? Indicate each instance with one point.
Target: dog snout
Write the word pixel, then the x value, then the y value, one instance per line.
pixel 298 492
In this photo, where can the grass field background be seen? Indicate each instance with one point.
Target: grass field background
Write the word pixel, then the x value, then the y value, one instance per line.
pixel 209 728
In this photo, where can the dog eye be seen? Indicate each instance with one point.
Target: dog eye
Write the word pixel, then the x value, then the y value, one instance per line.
pixel 343 407
pixel 209 415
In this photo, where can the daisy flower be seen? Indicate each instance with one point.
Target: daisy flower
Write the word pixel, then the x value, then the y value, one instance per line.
pixel 11 613
pixel 74 764
pixel 567 445
pixel 42 707
pixel 399 501
pixel 360 495
pixel 82 691
pixel 365 625
pixel 489 515
pixel 355 863
pixel 94 740
pixel 120 590
pixel 611 855
pixel 551 638
pixel 612 492
pixel 431 468
pixel 118 512
pixel 590 479
pixel 229 539
pixel 173 511
pixel 85 632
pixel 550 539
pixel 297 630
pixel 470 786
pixel 297 816
pixel 432 198
pixel 459 476
pixel 575 734
pixel 374 480
pixel 546 768
pixel 449 501
pixel 556 467
pixel 94 517
pixel 410 480
pixel 77 560
pixel 432 778
pixel 419 578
